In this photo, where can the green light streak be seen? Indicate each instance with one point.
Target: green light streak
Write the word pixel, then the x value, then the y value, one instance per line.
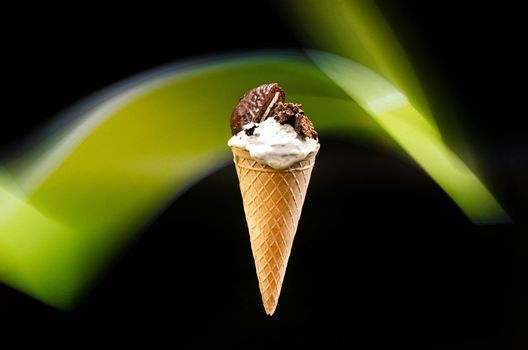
pixel 356 29
pixel 394 113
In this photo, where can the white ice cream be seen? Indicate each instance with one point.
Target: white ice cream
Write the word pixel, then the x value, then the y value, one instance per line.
pixel 276 145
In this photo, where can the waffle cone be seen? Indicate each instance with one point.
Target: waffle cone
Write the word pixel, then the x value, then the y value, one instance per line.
pixel 273 201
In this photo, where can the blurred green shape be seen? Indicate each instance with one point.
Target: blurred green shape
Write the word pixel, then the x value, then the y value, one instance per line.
pixel 28 240
pixel 414 133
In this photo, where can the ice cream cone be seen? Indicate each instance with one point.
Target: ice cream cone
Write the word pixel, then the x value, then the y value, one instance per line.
pixel 273 201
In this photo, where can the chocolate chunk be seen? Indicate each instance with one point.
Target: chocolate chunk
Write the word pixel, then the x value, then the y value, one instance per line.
pixel 255 106
pixel 304 126
pixel 293 114
pixel 250 131
pixel 268 100
pixel 285 113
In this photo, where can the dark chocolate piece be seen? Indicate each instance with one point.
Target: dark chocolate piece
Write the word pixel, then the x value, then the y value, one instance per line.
pixel 304 126
pixel 285 113
pixel 268 101
pixel 255 106
pixel 250 131
pixel 293 114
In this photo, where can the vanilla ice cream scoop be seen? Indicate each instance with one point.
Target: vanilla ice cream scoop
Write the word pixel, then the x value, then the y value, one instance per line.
pixel 274 132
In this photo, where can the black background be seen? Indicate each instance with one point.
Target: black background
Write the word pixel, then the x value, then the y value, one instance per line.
pixel 383 257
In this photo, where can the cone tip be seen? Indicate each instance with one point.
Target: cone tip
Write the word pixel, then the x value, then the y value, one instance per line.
pixel 270 310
